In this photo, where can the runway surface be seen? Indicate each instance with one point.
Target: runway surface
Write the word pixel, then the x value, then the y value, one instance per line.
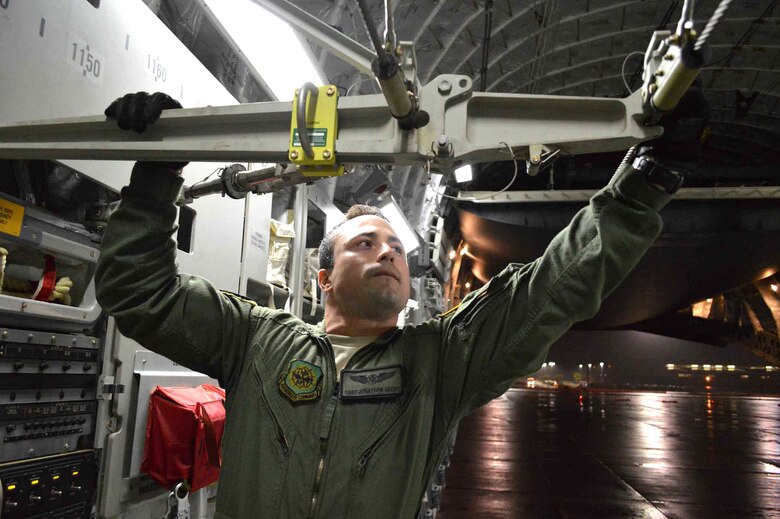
pixel 561 454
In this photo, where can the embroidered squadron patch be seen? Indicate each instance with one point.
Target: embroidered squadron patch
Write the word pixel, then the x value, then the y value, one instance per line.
pixel 302 382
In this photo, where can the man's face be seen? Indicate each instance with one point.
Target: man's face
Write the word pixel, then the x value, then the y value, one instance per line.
pixel 370 276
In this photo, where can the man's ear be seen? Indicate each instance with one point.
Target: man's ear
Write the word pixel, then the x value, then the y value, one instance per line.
pixel 323 280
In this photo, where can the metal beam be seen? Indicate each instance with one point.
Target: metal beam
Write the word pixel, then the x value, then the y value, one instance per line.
pixel 478 128
pixel 331 39
pixel 583 195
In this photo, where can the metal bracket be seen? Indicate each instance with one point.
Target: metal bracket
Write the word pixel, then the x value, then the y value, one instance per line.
pixel 178 503
pixel 540 158
pixel 408 62
pixel 109 390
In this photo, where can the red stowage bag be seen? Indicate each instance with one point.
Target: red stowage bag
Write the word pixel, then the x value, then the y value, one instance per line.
pixel 184 435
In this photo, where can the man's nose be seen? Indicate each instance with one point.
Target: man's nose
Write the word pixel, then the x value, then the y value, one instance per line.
pixel 386 253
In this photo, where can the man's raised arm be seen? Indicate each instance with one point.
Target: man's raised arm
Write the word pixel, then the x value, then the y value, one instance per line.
pixel 177 315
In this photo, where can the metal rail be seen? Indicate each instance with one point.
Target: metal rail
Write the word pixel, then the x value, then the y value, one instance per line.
pixel 474 123
pixel 583 195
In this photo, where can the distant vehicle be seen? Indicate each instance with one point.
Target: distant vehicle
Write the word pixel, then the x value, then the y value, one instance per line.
pixel 530 382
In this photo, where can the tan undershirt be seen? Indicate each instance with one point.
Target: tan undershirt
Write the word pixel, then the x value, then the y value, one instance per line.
pixel 345 347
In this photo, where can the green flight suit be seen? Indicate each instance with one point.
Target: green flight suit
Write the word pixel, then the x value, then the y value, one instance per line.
pixel 332 457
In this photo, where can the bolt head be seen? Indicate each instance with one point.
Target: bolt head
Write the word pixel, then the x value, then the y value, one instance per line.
pixel 442 141
pixel 326 154
pixel 653 88
pixel 535 158
pixel 293 154
pixel 330 91
pixel 445 87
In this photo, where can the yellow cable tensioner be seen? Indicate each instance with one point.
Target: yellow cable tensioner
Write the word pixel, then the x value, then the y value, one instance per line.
pixel 314 150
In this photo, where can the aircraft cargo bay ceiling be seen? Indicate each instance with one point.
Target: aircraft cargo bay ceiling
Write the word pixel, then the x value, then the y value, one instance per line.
pixel 591 48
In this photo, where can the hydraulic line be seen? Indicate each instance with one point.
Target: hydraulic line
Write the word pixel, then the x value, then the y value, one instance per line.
pixel 232 180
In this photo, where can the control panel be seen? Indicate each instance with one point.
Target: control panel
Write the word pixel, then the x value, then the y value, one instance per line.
pixel 48 392
pixel 61 486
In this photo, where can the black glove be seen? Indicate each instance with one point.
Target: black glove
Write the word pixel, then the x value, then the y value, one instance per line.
pixel 137 111
pixel 679 148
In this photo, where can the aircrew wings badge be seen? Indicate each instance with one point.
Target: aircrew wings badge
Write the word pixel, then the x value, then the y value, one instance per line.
pixel 302 382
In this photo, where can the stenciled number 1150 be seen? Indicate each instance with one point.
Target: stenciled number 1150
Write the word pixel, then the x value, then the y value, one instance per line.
pixel 85 59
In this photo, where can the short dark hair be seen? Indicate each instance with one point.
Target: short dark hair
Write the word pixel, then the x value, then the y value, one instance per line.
pixel 326 245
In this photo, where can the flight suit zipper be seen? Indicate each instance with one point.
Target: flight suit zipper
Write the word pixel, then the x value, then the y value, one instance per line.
pixel 328 412
pixel 327 421
pixel 365 457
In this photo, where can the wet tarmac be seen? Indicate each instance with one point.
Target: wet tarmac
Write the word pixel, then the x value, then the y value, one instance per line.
pixel 559 454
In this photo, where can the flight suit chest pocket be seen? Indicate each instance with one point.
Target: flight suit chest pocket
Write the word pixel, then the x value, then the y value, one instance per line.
pixel 270 402
pixel 387 453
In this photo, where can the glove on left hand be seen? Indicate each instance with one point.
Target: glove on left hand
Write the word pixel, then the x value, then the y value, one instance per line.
pixel 679 148
pixel 137 111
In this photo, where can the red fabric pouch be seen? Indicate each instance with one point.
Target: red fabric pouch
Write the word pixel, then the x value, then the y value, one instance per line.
pixel 184 435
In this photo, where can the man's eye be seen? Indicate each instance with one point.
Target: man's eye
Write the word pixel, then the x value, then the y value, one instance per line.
pixel 398 249
pixel 365 243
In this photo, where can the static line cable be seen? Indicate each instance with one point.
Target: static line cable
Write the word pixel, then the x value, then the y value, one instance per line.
pixel 390 39
pixel 372 33
pixel 716 16
pixel 486 44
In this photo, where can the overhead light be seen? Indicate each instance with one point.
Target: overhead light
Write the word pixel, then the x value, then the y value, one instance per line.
pixel 269 43
pixel 464 250
pixel 401 225
pixel 773 286
pixel 468 285
pixel 463 174
pixel 453 254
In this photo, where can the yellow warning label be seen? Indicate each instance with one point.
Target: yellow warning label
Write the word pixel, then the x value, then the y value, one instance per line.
pixel 11 216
